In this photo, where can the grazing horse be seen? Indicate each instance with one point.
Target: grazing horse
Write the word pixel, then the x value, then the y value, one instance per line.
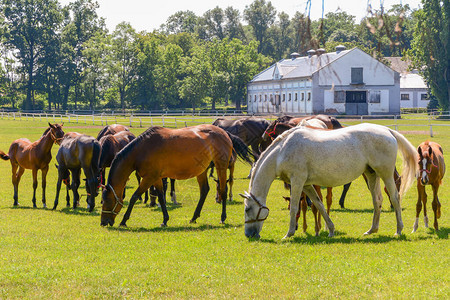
pixel 79 151
pixel 432 170
pixel 111 145
pixel 111 129
pixel 304 157
pixel 175 153
pixel 24 154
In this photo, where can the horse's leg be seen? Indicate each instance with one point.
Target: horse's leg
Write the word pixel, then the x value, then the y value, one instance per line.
pixel 44 185
pixel 231 182
pixel 294 205
pixel 304 208
pixel 344 194
pixel 311 193
pixel 74 186
pixel 153 195
pixel 139 182
pixel 202 180
pixel 143 186
pixel 15 181
pixel 317 218
pixel 35 185
pixel 420 193
pixel 67 196
pixel 58 188
pixel 173 195
pixel 392 189
pixel 373 183
pixel 424 204
pixel 436 205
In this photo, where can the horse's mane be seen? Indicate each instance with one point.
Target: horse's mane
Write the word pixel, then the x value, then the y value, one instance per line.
pixel 284 119
pixel 134 143
pixel 269 149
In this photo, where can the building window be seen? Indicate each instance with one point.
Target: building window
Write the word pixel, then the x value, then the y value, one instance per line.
pixel 296 97
pixel 339 97
pixel 284 97
pixel 265 98
pixel 357 76
pixel 303 96
pixel 290 97
pixel 424 97
pixel 309 96
pixel 260 98
pixel 254 100
pixel 374 96
pixel 404 96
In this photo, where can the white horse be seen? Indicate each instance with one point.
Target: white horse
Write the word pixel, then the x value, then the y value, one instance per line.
pixel 303 157
pixel 316 123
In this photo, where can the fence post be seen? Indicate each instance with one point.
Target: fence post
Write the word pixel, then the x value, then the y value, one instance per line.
pixel 140 122
pixel 395 123
pixel 431 130
pixel 131 116
pixel 93 119
pixel 163 120
pixel 176 123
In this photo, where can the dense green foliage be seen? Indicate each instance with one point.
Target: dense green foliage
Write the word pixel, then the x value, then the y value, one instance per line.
pixel 64 57
pixel 67 254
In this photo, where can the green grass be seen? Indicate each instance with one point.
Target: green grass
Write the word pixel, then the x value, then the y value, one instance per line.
pixel 67 254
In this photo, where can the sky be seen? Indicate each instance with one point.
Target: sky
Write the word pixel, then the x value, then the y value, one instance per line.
pixel 149 14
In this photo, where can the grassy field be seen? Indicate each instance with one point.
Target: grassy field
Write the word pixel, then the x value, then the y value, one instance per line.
pixel 67 254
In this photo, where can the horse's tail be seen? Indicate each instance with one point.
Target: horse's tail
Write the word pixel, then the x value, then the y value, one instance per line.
pixel 3 155
pixel 410 166
pixel 96 151
pixel 241 149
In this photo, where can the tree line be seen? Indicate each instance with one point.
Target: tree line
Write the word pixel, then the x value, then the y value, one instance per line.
pixel 63 57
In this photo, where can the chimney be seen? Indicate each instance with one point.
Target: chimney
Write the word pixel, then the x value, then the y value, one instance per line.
pixel 311 52
pixel 294 55
pixel 320 51
pixel 340 48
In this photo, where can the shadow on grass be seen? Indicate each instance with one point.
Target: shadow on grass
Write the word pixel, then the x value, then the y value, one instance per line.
pixel 364 210
pixel 79 211
pixel 170 206
pixel 186 228
pixel 442 233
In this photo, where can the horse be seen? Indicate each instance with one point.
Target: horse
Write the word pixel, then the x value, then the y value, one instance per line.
pixel 432 169
pixel 24 154
pixel 175 153
pixel 111 129
pixel 304 157
pixel 249 130
pixel 111 144
pixel 79 151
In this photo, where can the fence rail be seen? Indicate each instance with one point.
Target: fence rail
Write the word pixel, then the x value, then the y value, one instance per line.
pixel 428 121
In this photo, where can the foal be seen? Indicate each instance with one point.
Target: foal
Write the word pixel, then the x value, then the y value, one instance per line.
pixel 432 170
pixel 24 154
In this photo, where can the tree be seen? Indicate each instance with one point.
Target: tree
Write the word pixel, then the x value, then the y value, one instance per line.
pixel 122 60
pixel 260 16
pixel 430 48
pixel 30 24
pixel 181 21
pixel 214 21
pixel 233 26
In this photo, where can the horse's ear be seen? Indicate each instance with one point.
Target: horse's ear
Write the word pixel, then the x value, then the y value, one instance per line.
pixel 62 124
pixel 419 149
pixel 51 125
pixel 430 151
pixel 246 195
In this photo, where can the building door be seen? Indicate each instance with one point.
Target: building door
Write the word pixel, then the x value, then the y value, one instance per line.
pixel 356 103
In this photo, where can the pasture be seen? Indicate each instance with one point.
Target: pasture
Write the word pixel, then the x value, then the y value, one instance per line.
pixel 67 254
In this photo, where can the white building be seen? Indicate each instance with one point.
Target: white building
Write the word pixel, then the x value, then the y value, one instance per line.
pixel 413 89
pixel 345 81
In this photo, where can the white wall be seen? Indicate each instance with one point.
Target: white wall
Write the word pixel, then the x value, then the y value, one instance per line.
pixel 329 102
pixel 339 71
pixel 383 106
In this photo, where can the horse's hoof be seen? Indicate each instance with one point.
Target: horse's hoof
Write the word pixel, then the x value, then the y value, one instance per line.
pixel 193 221
pixel 163 225
pixel 44 206
pixel 222 222
pixel 123 225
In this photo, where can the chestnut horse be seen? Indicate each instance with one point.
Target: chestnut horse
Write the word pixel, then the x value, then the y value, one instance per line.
pixel 111 129
pixel 175 153
pixel 432 170
pixel 24 154
pixel 79 151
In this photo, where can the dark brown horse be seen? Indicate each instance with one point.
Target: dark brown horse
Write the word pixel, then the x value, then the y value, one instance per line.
pixel 249 130
pixel 78 151
pixel 111 129
pixel 175 153
pixel 24 154
pixel 111 145
pixel 432 170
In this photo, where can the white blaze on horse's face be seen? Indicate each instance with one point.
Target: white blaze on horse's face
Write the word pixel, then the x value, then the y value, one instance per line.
pixel 424 178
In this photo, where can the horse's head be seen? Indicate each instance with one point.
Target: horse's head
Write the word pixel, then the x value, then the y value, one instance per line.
pixel 56 132
pixel 112 205
pixel 425 162
pixel 269 133
pixel 255 214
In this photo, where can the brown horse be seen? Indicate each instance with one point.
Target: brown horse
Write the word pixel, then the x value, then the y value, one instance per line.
pixel 175 153
pixel 111 129
pixel 24 154
pixel 79 151
pixel 432 170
